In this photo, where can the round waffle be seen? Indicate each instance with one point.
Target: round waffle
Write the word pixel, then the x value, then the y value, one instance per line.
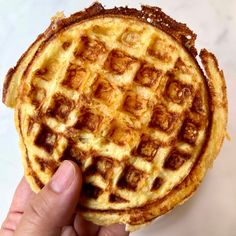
pixel 120 92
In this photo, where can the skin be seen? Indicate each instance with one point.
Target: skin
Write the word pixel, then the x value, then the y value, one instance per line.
pixel 43 214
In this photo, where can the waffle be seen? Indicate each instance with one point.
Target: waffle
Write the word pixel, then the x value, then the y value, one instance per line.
pixel 120 92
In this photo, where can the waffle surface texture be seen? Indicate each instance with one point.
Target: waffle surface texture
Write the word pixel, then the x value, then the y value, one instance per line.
pixel 120 92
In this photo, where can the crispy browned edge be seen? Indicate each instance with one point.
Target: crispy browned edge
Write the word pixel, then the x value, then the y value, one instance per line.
pixel 136 217
pixel 11 72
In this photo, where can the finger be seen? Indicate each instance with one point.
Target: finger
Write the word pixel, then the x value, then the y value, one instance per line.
pixel 113 230
pixel 68 231
pixel 22 195
pixel 53 207
pixel 84 227
pixel 9 225
pixel 6 233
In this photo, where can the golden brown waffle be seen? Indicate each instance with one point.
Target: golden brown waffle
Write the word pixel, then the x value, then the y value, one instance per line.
pixel 119 91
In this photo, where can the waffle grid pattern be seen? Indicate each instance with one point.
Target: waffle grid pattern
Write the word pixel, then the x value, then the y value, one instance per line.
pixel 130 112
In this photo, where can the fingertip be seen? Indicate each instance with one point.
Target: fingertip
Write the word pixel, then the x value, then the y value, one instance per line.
pixel 84 227
pixel 68 231
pixel 68 177
pixel 114 230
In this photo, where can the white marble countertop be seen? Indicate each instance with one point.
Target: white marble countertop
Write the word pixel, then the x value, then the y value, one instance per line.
pixel 212 210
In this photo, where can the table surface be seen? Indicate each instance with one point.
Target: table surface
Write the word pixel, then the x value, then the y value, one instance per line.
pixel 211 211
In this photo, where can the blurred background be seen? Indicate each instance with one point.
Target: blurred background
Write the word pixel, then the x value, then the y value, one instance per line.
pixel 212 210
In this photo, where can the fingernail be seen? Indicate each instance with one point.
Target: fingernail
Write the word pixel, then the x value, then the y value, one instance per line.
pixel 63 177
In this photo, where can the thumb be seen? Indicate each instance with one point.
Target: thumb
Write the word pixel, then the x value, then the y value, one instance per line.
pixel 53 207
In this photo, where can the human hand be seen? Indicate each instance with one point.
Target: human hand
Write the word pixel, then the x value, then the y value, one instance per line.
pixel 51 212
